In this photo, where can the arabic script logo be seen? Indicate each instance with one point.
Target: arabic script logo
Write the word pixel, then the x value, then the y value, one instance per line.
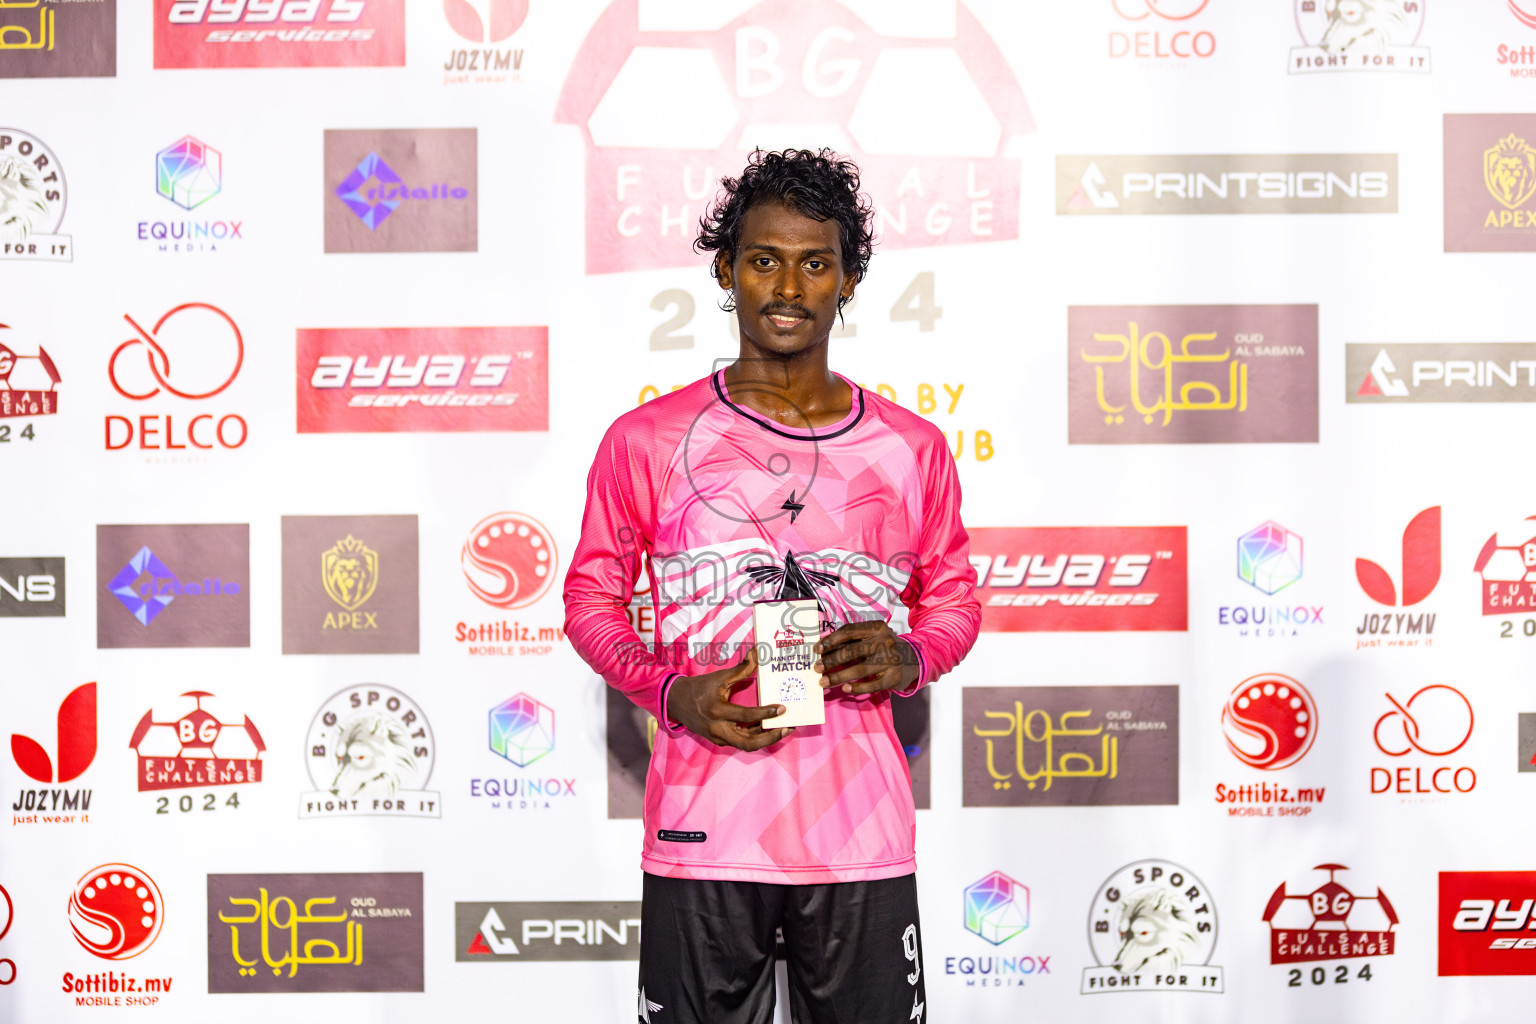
pixel 478 24
pixel 116 911
pixel 996 908
pixel 1421 564
pixel 1441 726
pixel 1269 557
pixel 1509 171
pixel 375 204
pixel 522 730
pixel 349 571
pixel 159 362
pixel 189 172
pixel 509 560
pixel 76 740
pixel 1269 722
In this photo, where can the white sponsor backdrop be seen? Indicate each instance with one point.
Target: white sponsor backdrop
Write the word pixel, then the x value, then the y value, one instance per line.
pixel 1002 334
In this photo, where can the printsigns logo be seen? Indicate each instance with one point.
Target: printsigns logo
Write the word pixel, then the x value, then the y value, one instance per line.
pixel 1152 928
pixel 259 940
pixel 1490 182
pixel 195 751
pixel 1436 721
pixel 33 195
pixel 1269 557
pixel 116 911
pixel 59 40
pixel 209 351
pixel 1226 183
pixel 996 908
pixel 370 751
pixel 423 379
pixel 1269 722
pixel 29 385
pixel 189 172
pixel 1481 918
pixel 1420 575
pixel 1164 30
pixel 173 586
pixel 1081 578
pixel 350 585
pixel 1507 565
pixel 279 33
pixel 509 560
pixel 1527 742
pixel 492 932
pixel 31 588
pixel 1440 372
pixel 1055 746
pixel 1359 35
pixel 1330 923
pixel 1191 374
pixel 401 190
pixel 665 107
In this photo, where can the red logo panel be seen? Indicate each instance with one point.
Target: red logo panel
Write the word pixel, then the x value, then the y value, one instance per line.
pixel 279 33
pixel 423 379
pixel 1081 578
pixel 1486 924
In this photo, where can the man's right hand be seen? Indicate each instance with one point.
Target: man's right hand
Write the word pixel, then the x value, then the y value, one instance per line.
pixel 702 705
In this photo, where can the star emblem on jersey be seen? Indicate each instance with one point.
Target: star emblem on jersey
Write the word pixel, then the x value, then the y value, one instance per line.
pixel 793 507
pixel 647 1007
pixel 794 583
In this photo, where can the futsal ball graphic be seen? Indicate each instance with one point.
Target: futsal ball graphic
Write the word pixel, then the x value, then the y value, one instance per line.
pixel 116 911
pixel 509 560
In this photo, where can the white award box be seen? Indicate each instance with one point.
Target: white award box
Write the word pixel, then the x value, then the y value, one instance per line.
pixel 786 633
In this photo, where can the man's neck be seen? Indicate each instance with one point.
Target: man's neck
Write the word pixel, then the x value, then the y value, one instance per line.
pixel 797 390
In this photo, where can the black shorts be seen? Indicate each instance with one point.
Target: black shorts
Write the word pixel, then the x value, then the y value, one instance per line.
pixel 853 951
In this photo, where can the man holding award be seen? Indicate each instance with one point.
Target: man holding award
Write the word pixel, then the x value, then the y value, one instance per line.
pixel 807 560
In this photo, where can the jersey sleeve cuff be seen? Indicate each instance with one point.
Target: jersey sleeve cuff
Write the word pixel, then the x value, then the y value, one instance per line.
pixel 922 667
pixel 661 704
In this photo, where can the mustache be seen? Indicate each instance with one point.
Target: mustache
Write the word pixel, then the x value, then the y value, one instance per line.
pixel 786 309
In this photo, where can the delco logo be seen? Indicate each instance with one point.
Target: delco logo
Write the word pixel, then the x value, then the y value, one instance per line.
pixel 1478 911
pixel 423 379
pixel 1081 578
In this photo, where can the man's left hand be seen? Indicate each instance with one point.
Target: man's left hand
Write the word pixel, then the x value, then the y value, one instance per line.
pixel 866 657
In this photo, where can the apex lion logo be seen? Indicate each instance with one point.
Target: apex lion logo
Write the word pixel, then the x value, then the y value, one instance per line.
pixel 23 204
pixel 1509 171
pixel 1157 932
pixel 1366 24
pixel 349 570
pixel 373 754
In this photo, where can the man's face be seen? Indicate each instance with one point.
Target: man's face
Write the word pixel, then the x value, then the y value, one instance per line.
pixel 786 278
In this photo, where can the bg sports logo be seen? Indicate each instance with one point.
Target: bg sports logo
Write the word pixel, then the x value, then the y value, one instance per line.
pixel 1485 921
pixel 1082 578
pixel 423 379
pixel 279 33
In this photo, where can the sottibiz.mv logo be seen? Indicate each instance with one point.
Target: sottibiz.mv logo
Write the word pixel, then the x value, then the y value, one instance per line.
pixel 1420 574
pixel 1081 578
pixel 1486 923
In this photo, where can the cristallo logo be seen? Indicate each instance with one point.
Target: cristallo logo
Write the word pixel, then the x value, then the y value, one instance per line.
pixel 925 103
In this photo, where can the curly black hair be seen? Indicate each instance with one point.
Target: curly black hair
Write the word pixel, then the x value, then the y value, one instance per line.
pixel 817 184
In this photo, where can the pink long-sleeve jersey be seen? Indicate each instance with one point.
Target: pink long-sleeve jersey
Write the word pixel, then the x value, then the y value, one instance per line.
pixel 725 507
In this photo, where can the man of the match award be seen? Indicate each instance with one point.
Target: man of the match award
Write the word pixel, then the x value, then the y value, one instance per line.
pixel 786 633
